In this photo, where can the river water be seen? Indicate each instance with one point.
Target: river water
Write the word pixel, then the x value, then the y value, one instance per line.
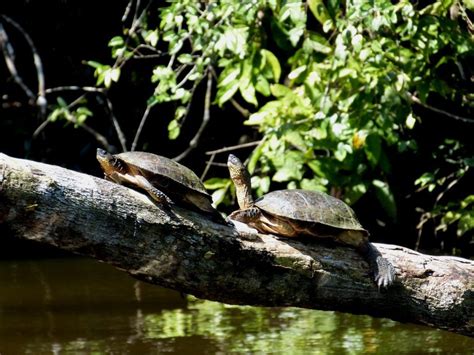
pixel 80 306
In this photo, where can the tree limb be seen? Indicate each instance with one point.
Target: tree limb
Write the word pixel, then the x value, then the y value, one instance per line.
pixel 182 250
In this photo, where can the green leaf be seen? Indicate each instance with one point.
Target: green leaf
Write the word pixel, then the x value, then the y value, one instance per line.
pixel 410 121
pixel 262 86
pixel 248 93
pixel 94 64
pixel 315 184
pixel 217 183
pixel 272 61
pixel 224 94
pixel 320 12
pixel 373 148
pixel 116 41
pixel 228 76
pixel 185 58
pixel 218 196
pixel 247 90
pixel 111 75
pixel 296 72
pixel 261 184
pixel 317 43
pixel 152 37
pixel 342 150
pixel 292 168
pixel 254 157
pixel 279 90
pixel 173 129
pixel 425 179
pixel 180 112
pixel 355 192
pixel 386 198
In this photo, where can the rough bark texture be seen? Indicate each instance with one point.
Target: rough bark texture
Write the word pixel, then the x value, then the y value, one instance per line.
pixel 184 251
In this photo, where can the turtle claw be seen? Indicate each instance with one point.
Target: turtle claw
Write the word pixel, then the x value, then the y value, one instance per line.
pixel 385 275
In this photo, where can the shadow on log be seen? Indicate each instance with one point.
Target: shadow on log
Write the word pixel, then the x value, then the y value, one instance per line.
pixel 184 251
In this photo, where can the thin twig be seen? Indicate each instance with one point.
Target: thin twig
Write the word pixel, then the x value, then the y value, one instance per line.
pixel 118 130
pixel 208 165
pixel 243 111
pixel 46 121
pixel 9 56
pixel 450 185
pixel 185 79
pixel 140 127
pixel 188 106
pixel 234 147
pixel 222 165
pixel 99 137
pixel 205 120
pixel 127 11
pixel 416 100
pixel 41 127
pixel 41 99
pixel 75 88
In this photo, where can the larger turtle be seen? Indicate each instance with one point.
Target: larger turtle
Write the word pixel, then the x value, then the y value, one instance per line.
pixel 291 213
pixel 166 181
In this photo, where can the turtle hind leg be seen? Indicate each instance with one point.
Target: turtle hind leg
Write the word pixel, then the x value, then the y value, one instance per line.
pixel 157 195
pixel 382 269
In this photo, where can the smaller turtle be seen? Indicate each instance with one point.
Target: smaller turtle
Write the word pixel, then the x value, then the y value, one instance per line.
pixel 165 180
pixel 291 213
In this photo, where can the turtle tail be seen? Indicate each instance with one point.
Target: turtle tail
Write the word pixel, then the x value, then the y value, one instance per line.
pixel 382 269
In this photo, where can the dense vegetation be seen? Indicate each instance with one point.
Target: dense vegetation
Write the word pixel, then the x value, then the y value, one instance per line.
pixel 368 101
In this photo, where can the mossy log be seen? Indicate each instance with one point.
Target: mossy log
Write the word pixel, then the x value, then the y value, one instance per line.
pixel 185 251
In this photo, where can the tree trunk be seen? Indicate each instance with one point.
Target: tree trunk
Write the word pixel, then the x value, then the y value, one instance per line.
pixel 185 251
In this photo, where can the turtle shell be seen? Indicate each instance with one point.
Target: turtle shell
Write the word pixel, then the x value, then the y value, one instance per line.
pixel 155 166
pixel 310 206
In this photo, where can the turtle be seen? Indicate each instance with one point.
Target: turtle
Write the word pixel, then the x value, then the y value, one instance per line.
pixel 293 213
pixel 166 181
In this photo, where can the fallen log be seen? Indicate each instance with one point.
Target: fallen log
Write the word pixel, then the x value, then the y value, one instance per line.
pixel 183 250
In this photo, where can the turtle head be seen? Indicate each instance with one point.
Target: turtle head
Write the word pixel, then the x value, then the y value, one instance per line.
pixel 241 178
pixel 237 169
pixel 109 163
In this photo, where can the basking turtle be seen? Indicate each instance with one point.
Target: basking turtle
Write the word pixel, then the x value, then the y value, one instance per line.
pixel 291 213
pixel 165 180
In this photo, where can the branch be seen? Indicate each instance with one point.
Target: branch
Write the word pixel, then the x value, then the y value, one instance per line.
pixel 416 100
pixel 101 93
pixel 205 120
pixel 140 127
pixel 41 100
pixel 184 251
pixel 233 147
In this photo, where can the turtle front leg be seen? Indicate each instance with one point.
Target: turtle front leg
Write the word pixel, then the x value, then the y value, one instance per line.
pixel 157 195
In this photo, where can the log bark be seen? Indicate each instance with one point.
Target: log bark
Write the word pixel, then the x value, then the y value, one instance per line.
pixel 185 251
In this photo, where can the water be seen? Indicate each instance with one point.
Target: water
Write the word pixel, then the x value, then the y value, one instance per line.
pixel 79 306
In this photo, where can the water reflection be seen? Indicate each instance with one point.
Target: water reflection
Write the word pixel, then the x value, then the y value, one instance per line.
pixel 78 305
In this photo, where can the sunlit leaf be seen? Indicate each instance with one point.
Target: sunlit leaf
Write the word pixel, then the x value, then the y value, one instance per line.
pixel 216 183
pixel 410 121
pixel 320 12
pixel 273 62
pixel 185 58
pixel 116 41
pixel 224 94
pixel 173 129
pixel 218 196
pixel 152 37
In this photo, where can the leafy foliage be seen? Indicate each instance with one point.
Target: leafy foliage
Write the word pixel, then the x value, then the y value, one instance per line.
pixel 332 85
